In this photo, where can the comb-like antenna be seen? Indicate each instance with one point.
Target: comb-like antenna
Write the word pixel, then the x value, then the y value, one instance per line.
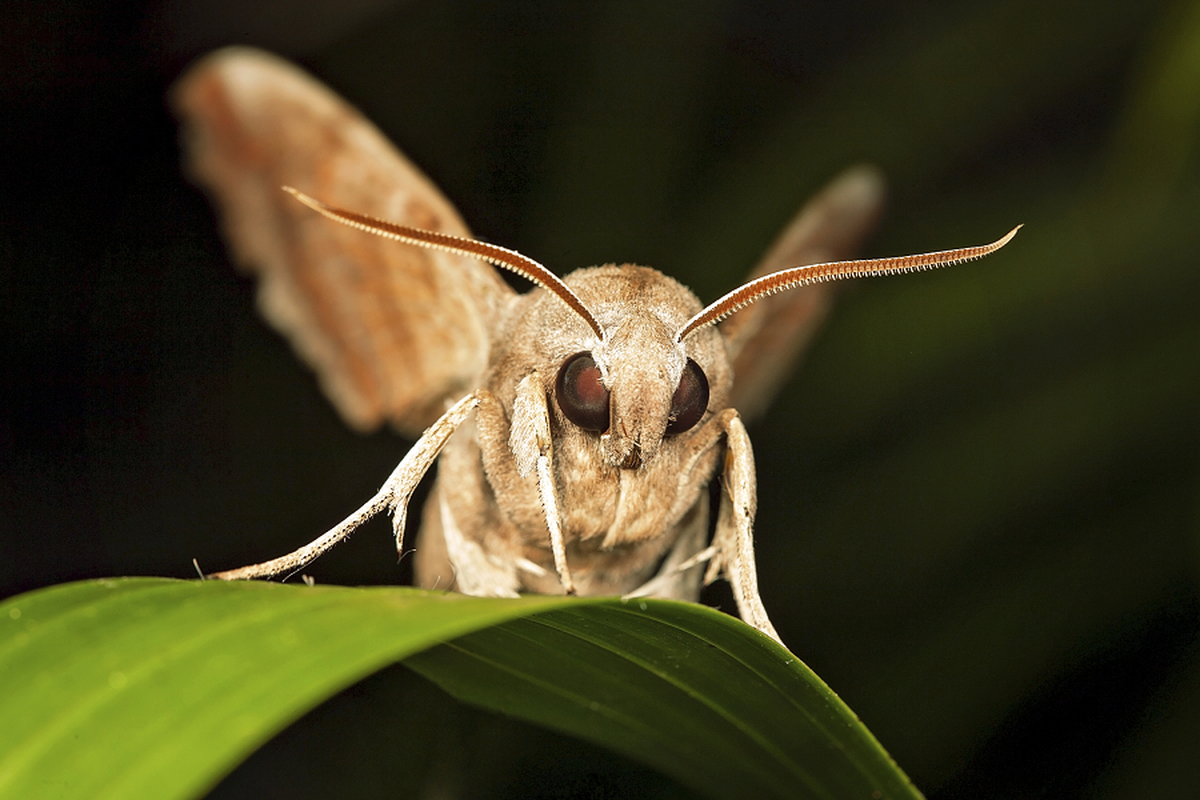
pixel 500 256
pixel 833 271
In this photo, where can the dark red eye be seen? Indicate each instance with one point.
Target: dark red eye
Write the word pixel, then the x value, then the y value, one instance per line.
pixel 581 395
pixel 690 400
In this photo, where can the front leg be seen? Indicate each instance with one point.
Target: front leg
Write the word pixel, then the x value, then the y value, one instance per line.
pixel 530 444
pixel 733 542
pixel 731 553
pixel 393 495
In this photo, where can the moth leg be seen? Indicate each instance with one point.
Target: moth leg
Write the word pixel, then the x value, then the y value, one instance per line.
pixel 702 557
pixel 393 495
pixel 690 551
pixel 733 541
pixel 550 504
pixel 679 576
pixel 529 441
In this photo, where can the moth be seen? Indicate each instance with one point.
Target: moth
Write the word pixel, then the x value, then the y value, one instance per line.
pixel 576 427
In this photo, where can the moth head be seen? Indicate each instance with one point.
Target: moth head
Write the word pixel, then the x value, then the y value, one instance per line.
pixel 587 403
pixel 638 386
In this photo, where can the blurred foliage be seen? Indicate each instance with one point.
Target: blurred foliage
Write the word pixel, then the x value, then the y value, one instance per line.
pixel 979 504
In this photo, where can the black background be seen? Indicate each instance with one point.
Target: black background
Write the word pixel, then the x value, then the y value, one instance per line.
pixel 978 502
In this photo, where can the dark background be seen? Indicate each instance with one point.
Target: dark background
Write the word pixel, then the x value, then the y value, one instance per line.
pixel 978 501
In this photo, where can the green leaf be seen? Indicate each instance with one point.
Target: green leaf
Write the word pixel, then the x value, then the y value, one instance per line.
pixel 143 687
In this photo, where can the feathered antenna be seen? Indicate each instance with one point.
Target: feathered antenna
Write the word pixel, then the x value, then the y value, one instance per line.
pixel 833 271
pixel 500 256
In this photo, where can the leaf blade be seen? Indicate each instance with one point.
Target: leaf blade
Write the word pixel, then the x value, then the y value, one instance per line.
pixel 157 688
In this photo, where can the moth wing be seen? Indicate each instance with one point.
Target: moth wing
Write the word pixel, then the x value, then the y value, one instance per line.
pixel 766 339
pixel 392 331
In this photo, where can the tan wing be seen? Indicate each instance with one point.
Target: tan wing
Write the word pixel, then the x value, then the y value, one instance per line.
pixel 767 338
pixel 392 331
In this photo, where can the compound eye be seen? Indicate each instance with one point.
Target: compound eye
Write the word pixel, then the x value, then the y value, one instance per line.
pixel 581 395
pixel 690 400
